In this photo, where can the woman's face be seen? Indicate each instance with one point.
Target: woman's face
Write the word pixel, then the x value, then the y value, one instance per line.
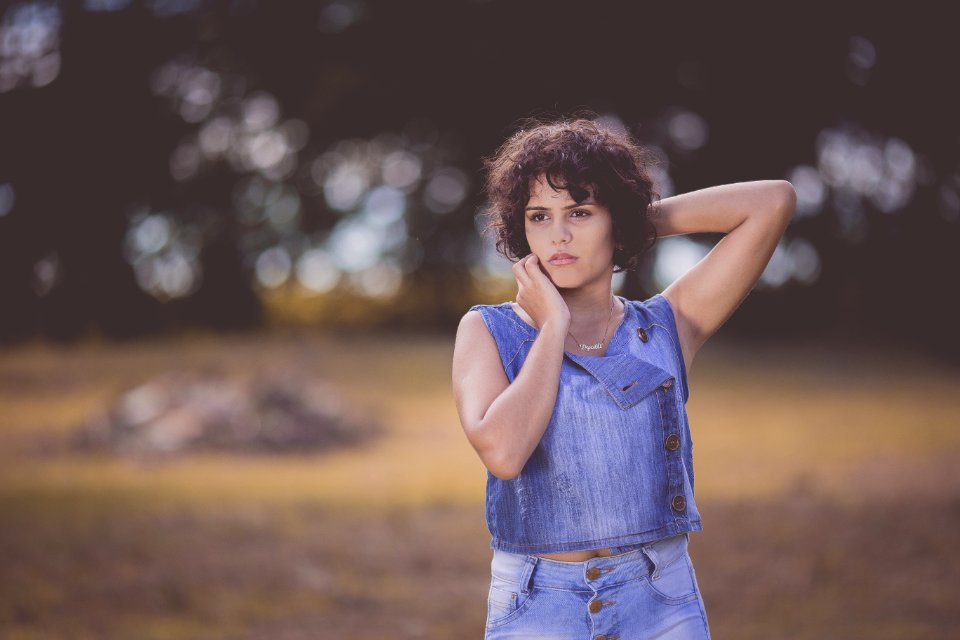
pixel 574 242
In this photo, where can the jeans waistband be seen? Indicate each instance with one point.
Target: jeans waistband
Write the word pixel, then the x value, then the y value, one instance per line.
pixel 592 574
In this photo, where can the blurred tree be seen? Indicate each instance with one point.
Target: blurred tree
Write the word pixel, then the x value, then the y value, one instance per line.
pixel 167 163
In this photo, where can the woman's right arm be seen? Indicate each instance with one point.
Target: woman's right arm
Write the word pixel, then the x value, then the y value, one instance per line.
pixel 504 422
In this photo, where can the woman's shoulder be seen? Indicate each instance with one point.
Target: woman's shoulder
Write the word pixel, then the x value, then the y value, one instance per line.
pixel 500 306
pixel 653 310
pixel 502 318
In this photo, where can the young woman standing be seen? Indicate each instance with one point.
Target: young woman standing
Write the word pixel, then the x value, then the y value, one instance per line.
pixel 574 398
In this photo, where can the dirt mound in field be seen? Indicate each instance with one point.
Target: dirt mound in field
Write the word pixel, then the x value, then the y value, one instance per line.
pixel 273 411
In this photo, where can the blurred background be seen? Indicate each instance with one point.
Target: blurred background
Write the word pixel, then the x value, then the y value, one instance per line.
pixel 236 238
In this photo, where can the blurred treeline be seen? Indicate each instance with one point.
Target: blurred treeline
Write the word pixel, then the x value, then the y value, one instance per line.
pixel 169 164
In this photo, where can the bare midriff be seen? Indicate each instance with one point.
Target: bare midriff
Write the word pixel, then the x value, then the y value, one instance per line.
pixel 576 556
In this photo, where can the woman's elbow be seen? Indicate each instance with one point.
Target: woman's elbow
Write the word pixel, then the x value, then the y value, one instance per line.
pixel 495 457
pixel 500 463
pixel 504 472
pixel 786 198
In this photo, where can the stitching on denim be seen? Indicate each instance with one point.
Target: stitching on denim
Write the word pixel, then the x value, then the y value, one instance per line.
pixel 519 349
pixel 666 463
pixel 677 349
pixel 641 317
pixel 560 589
pixel 696 585
pixel 601 542
pixel 514 317
pixel 668 599
pixel 516 613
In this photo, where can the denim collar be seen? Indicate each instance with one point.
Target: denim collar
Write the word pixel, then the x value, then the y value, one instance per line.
pixel 631 322
pixel 626 377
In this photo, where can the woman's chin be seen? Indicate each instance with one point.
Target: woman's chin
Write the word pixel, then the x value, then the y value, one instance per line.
pixel 565 284
pixel 563 278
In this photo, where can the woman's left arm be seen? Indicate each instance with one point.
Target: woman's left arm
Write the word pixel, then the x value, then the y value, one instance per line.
pixel 753 215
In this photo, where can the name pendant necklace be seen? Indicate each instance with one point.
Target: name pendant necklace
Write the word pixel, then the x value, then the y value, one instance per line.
pixel 599 345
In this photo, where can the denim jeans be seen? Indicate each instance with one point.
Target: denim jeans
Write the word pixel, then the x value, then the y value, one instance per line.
pixel 648 593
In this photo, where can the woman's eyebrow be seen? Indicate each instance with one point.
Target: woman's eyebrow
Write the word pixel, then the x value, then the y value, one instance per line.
pixel 572 206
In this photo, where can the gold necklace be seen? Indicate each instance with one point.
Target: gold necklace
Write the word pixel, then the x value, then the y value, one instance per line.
pixel 599 345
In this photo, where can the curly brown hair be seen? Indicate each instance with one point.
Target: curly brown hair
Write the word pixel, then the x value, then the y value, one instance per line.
pixel 576 154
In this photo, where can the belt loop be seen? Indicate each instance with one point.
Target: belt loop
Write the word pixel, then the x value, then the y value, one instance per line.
pixel 527 573
pixel 655 559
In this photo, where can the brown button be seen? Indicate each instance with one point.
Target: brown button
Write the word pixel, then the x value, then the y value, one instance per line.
pixel 667 383
pixel 593 573
pixel 679 502
pixel 642 333
pixel 595 606
pixel 600 637
pixel 672 442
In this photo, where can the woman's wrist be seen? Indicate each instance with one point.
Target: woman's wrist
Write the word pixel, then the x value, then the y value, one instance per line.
pixel 555 330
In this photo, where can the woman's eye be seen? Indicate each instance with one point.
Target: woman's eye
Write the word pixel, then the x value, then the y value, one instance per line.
pixel 538 217
pixel 584 213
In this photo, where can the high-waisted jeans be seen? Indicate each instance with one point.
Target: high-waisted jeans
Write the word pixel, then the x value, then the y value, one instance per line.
pixel 646 593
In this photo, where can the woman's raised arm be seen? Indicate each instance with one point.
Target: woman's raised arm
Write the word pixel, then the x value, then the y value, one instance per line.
pixel 753 215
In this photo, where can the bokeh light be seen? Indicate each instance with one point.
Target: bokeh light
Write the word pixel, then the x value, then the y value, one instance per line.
pixel 687 130
pixel 29 45
pixel 673 257
pixel 273 267
pixel 172 7
pixel 949 198
pixel 7 198
pixel 446 190
pixel 164 254
pixel 338 15
pixel 810 188
pixel 382 280
pixel 317 271
pixel 47 273
pixel 861 58
pixel 106 5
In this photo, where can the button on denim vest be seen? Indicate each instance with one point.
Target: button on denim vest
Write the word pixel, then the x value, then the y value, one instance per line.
pixel 615 464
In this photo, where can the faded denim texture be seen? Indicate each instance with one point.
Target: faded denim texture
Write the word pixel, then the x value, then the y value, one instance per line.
pixel 615 465
pixel 650 593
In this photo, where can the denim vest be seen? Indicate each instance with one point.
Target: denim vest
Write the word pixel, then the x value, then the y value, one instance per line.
pixel 614 467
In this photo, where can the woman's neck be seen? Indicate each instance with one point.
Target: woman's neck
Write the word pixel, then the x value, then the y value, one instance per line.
pixel 588 305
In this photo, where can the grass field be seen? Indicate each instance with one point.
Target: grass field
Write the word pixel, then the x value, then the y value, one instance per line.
pixel 828 482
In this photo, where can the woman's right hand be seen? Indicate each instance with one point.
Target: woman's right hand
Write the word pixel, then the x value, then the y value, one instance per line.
pixel 538 296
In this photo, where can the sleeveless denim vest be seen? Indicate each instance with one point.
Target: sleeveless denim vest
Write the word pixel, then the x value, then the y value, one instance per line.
pixel 614 467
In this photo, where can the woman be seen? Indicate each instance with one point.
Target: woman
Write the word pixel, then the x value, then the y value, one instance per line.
pixel 574 398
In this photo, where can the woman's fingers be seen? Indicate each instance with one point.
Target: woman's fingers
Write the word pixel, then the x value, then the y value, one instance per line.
pixel 530 273
pixel 536 272
pixel 532 266
pixel 520 271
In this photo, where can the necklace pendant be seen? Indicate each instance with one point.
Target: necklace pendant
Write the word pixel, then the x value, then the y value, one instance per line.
pixel 591 347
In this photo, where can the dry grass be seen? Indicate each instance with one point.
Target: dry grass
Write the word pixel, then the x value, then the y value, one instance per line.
pixel 828 483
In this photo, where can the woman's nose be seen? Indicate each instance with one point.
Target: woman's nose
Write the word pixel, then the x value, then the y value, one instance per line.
pixel 561 235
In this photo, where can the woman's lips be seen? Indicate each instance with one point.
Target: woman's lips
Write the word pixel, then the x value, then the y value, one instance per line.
pixel 562 258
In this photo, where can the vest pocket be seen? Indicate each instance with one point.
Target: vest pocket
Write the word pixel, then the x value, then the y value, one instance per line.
pixel 627 378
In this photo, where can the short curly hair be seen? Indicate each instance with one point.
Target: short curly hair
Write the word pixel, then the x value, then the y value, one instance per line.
pixel 574 153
